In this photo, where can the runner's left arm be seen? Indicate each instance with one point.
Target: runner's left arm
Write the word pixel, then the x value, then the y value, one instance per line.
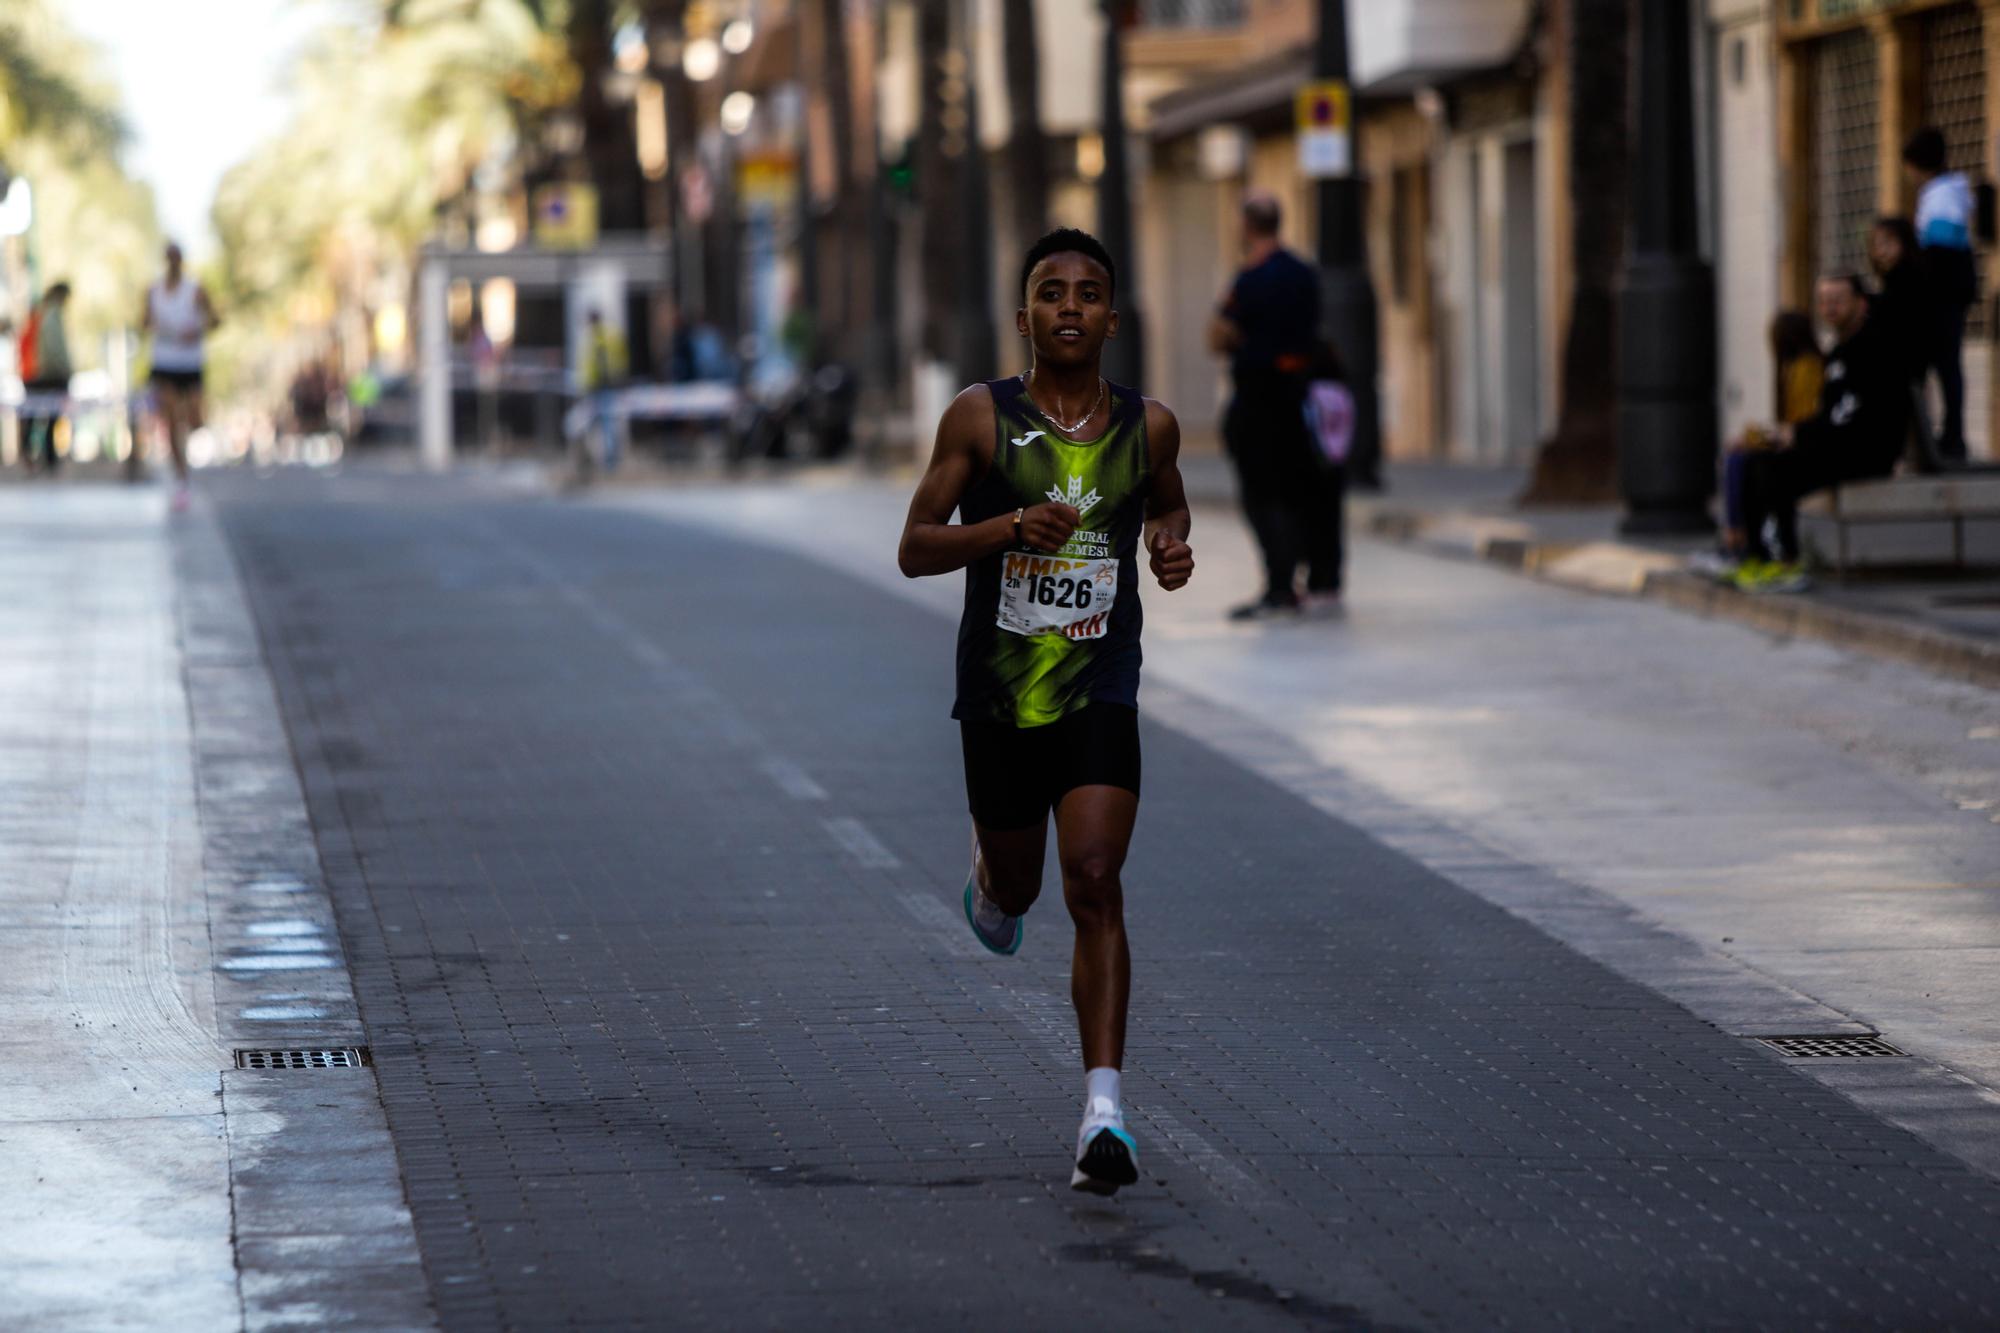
pixel 210 321
pixel 1167 517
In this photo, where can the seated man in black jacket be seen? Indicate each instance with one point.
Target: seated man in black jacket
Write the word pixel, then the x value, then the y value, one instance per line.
pixel 1858 432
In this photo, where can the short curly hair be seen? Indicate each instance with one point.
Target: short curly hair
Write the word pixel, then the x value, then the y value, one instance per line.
pixel 1069 240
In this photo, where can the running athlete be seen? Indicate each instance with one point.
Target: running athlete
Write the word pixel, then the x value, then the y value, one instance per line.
pixel 1054 473
pixel 178 315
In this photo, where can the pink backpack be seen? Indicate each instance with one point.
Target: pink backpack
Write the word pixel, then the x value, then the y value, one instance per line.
pixel 1330 418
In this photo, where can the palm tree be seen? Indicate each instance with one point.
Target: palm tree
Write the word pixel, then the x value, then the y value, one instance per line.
pixel 609 148
pixel 60 129
pixel 1579 463
pixel 838 316
pixel 1027 144
pixel 393 120
pixel 937 176
pixel 39 97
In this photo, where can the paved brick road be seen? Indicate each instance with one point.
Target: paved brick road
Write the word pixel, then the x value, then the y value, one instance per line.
pixel 646 848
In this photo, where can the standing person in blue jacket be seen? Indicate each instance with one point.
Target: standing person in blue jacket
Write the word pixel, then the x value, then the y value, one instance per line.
pixel 1944 237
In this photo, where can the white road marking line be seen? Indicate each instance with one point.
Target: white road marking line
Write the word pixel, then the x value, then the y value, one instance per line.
pixel 792 780
pixel 279 962
pixel 1202 1155
pixel 855 839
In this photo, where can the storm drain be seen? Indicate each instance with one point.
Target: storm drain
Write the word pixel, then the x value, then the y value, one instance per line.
pixel 340 1057
pixel 1843 1045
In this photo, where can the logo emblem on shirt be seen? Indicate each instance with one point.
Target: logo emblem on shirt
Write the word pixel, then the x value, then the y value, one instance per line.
pixel 1074 497
pixel 1023 439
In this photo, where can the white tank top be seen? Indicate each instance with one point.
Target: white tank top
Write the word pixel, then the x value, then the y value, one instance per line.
pixel 178 326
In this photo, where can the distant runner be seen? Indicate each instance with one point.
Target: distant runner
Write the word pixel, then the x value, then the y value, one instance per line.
pixel 179 316
pixel 1054 474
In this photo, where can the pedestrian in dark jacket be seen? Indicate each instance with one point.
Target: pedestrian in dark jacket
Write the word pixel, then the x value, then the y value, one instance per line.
pixel 1857 433
pixel 1268 326
pixel 1900 306
pixel 1944 235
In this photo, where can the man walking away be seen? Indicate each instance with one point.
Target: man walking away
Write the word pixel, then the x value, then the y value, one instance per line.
pixel 1858 432
pixel 48 376
pixel 1944 235
pixel 1268 326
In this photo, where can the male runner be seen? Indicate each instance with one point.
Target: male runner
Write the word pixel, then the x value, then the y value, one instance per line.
pixel 1054 473
pixel 178 315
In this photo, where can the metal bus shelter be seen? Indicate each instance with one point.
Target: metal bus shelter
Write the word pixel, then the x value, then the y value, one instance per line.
pixel 597 277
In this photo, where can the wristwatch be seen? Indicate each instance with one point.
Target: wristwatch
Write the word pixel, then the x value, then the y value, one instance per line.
pixel 1017 525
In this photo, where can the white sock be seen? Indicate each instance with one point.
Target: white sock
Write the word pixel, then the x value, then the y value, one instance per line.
pixel 1100 1093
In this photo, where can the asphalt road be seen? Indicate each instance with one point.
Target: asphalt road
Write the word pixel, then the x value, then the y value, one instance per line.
pixel 645 844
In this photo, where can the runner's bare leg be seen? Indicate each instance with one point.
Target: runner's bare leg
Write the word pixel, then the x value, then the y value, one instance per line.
pixel 1093 831
pixel 1010 865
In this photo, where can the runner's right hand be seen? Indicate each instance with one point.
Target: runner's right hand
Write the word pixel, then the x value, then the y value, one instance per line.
pixel 1047 527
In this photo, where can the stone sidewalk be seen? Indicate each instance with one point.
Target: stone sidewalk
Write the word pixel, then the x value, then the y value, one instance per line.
pixel 160 894
pixel 1899 604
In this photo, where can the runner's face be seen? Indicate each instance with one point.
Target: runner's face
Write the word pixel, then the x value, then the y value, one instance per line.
pixel 1069 314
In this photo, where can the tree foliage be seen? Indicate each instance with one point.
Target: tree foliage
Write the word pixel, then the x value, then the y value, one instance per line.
pixel 46 93
pixel 1578 464
pixel 61 131
pixel 399 108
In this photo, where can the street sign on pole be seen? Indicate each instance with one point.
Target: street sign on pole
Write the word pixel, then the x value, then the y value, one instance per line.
pixel 565 216
pixel 1326 130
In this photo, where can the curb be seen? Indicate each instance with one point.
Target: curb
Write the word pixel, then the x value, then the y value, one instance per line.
pixel 1634 571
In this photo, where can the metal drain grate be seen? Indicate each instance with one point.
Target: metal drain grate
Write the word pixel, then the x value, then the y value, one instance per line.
pixel 1843 1045
pixel 344 1057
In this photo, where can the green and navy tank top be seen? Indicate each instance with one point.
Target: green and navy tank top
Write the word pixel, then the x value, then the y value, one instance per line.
pixel 1045 633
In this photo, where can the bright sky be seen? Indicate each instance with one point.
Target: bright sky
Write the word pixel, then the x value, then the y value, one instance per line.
pixel 202 82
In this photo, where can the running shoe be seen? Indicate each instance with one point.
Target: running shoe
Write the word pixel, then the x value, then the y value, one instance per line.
pixel 1107 1156
pixel 180 500
pixel 1751 573
pixel 1775 576
pixel 999 932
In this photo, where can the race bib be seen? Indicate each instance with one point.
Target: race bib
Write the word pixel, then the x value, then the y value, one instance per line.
pixel 1053 594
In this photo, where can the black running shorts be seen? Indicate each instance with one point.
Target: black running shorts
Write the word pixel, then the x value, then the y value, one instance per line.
pixel 1015 775
pixel 185 380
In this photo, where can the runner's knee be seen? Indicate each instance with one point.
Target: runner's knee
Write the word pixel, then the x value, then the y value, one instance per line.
pixel 1091 887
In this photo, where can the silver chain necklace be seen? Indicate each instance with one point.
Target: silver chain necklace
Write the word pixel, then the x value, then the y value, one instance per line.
pixel 1027 383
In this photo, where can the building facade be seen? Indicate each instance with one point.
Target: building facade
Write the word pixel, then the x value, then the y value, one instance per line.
pixel 1810 103
pixel 1458 141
